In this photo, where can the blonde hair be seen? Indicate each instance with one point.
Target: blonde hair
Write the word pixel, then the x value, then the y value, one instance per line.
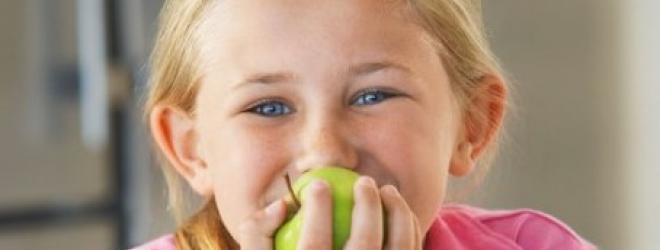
pixel 454 27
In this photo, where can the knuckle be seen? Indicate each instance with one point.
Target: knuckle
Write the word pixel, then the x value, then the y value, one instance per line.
pixel 402 207
pixel 246 227
pixel 249 226
pixel 396 209
pixel 370 238
pixel 401 243
pixel 402 246
pixel 366 243
pixel 318 199
pixel 314 244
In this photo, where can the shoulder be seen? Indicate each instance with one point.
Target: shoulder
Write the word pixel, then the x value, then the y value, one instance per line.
pixel 509 229
pixel 165 242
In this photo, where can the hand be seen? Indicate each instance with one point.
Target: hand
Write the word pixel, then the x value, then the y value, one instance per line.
pixel 402 226
pixel 403 232
pixel 256 232
pixel 403 229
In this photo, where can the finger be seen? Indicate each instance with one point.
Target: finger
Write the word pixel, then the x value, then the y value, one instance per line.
pixel 367 218
pixel 400 224
pixel 317 218
pixel 256 231
pixel 419 241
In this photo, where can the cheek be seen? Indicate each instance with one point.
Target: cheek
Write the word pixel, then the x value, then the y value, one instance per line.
pixel 246 161
pixel 411 143
pixel 244 164
pixel 416 149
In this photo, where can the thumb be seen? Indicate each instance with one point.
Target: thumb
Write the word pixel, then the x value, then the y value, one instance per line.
pixel 257 231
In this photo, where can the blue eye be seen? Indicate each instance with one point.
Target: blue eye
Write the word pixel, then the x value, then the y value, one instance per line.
pixel 371 97
pixel 270 108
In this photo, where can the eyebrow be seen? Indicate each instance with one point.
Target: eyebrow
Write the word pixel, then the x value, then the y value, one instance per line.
pixel 354 71
pixel 370 67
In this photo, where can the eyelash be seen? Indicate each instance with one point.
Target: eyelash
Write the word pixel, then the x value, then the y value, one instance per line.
pixel 382 93
pixel 282 107
pixel 260 105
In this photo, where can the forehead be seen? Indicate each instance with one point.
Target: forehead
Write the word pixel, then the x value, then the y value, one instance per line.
pixel 336 27
pixel 338 12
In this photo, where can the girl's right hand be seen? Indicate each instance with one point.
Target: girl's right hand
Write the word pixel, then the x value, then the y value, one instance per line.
pixel 257 231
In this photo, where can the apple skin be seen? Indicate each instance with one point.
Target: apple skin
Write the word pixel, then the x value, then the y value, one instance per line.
pixel 340 181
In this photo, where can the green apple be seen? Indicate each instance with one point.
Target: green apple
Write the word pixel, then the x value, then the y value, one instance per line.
pixel 340 181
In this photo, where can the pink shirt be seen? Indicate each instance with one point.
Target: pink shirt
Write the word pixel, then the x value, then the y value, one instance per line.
pixel 461 227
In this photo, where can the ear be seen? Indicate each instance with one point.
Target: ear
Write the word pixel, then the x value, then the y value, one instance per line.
pixel 482 119
pixel 177 137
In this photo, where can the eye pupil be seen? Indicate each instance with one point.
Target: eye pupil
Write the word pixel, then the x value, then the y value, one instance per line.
pixel 271 108
pixel 370 98
pixel 373 97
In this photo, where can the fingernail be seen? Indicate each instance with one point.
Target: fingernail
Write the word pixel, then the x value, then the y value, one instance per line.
pixel 274 207
pixel 389 189
pixel 366 181
pixel 318 185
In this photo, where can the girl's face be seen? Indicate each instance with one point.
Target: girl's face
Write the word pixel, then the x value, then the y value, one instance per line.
pixel 289 86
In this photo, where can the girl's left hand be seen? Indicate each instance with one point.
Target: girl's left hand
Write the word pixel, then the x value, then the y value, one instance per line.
pixel 403 230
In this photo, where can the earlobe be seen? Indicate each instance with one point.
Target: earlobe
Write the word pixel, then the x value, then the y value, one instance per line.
pixel 462 162
pixel 176 135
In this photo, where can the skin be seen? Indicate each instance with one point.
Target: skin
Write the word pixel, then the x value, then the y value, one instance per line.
pixel 316 59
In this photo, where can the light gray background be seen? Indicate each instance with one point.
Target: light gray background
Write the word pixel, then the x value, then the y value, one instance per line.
pixel 581 141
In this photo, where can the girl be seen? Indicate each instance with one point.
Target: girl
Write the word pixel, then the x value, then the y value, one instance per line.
pixel 403 92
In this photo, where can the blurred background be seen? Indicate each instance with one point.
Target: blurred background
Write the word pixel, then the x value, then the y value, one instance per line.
pixel 76 171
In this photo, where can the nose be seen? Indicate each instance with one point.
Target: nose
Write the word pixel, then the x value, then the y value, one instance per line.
pixel 326 142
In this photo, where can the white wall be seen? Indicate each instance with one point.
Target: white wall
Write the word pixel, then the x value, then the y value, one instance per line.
pixel 641 65
pixel 558 158
pixel 584 136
